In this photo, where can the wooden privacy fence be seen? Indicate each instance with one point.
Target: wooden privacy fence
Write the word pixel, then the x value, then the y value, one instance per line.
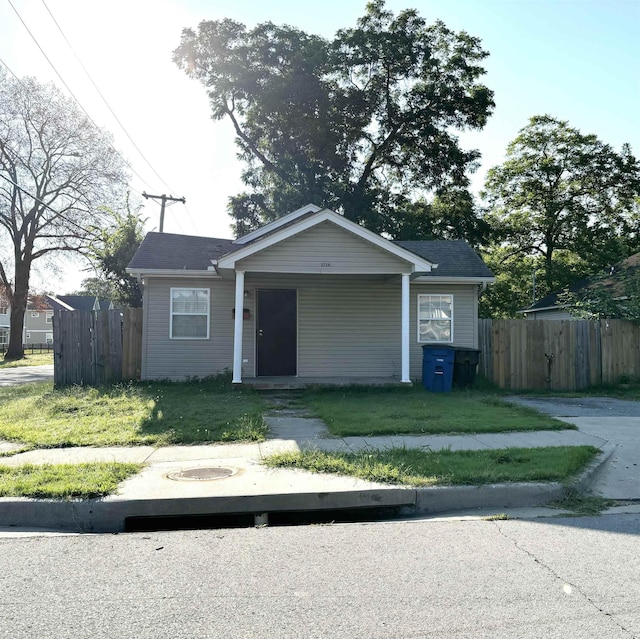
pixel 558 355
pixel 96 347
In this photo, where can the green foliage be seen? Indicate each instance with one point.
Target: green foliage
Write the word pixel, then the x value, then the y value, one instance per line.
pixel 616 295
pixel 415 467
pixel 363 123
pixel 111 251
pixel 562 191
pixel 391 411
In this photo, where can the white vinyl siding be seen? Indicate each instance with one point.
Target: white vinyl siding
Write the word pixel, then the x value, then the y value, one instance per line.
pixel 189 313
pixel 435 318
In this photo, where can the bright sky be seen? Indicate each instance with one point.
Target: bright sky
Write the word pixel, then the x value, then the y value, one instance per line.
pixel 577 60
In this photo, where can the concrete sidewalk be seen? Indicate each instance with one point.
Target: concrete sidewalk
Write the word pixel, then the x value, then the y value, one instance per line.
pixel 230 479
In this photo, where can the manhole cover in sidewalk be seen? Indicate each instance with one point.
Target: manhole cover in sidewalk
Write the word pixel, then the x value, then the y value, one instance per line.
pixel 201 474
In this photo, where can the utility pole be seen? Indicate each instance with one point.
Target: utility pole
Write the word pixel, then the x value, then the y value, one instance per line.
pixel 163 198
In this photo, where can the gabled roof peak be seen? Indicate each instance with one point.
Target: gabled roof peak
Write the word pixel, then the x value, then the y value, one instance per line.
pixel 280 222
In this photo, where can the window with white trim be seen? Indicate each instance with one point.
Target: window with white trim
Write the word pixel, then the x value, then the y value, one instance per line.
pixel 28 335
pixel 4 337
pixel 189 317
pixel 49 317
pixel 49 338
pixel 435 318
pixel 3 310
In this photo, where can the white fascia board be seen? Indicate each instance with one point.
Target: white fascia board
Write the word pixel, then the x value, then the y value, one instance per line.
pixel 276 224
pixel 434 279
pixel 324 215
pixel 63 304
pixel 546 308
pixel 212 275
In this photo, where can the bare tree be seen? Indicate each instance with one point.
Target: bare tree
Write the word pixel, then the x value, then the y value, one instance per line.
pixel 56 171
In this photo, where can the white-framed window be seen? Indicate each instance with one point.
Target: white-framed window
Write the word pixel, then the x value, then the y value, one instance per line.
pixel 3 310
pixel 49 317
pixel 49 338
pixel 35 314
pixel 435 318
pixel 4 336
pixel 189 316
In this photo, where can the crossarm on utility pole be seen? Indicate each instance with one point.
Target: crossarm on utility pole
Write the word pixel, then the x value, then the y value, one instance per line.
pixel 163 199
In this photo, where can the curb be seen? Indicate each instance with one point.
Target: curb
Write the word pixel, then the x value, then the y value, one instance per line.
pixel 111 514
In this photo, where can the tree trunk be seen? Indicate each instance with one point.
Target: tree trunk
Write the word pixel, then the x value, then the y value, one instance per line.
pixel 15 349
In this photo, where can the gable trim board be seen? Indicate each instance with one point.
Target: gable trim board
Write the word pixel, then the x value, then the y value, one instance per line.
pixel 351 321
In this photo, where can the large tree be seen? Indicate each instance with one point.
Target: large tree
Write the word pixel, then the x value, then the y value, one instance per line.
pixel 56 169
pixel 566 197
pixel 364 123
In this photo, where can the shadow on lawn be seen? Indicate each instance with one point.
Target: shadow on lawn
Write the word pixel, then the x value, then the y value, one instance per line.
pixel 201 411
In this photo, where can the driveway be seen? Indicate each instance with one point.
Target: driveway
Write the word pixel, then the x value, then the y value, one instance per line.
pixel 613 421
pixel 26 375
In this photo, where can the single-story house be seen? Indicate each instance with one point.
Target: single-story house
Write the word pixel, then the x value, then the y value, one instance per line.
pixel 555 307
pixel 311 295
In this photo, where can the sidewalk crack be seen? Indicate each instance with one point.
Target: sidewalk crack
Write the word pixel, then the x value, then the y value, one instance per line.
pixel 565 582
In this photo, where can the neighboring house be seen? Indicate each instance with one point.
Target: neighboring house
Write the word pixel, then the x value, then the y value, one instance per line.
pixel 4 322
pixel 553 306
pixel 38 318
pixel 80 303
pixel 310 295
pixel 38 321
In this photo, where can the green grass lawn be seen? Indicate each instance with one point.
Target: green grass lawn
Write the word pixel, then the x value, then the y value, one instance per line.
pixel 130 414
pixel 413 467
pixel 37 359
pixel 398 410
pixel 64 481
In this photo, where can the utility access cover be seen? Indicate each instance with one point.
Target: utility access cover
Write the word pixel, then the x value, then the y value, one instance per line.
pixel 202 474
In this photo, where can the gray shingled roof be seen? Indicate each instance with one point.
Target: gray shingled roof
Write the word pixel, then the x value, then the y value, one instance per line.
pixel 171 251
pixel 455 258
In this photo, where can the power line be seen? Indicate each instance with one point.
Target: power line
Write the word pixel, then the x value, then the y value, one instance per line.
pixel 72 93
pixel 95 86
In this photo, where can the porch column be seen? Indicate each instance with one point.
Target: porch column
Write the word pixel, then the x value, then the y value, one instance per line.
pixel 237 329
pixel 405 379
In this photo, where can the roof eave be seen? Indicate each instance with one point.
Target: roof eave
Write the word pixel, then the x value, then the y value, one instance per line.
pixel 168 272
pixel 423 279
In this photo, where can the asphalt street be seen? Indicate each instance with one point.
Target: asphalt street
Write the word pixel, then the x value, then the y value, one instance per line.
pixel 26 375
pixel 552 578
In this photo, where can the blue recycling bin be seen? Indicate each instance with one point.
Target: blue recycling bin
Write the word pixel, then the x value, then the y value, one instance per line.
pixel 437 367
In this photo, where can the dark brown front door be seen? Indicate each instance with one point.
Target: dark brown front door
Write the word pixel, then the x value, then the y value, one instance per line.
pixel 276 332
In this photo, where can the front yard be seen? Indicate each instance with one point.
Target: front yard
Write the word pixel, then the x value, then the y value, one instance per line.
pixel 397 410
pixel 157 414
pixel 209 411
